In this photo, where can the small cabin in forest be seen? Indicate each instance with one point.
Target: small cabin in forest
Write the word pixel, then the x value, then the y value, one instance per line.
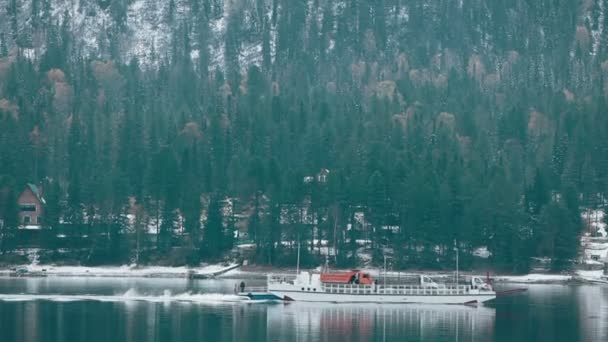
pixel 31 207
pixel 322 176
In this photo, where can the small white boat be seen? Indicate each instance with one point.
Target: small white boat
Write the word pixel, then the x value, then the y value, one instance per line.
pixel 359 287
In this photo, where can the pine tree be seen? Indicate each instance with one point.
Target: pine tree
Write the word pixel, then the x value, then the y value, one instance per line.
pixel 266 57
pixel 357 93
pixel 10 222
pixel 538 195
pixel 377 204
pixel 13 11
pixel 191 202
pixel 232 49
pixel 254 229
pixel 3 45
pixel 53 209
pixel 564 229
pixel 213 244
pixel 75 203
pixel 53 57
pixel 170 191
pixel 167 228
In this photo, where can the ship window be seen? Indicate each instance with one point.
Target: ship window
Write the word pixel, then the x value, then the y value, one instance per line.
pixel 314 290
pixel 308 289
pixel 302 289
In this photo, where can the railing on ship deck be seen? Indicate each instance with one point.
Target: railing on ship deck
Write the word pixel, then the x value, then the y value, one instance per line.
pixel 282 278
pixel 394 290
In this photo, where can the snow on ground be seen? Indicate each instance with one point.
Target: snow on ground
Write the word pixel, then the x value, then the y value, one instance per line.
pixel 148 30
pixel 124 271
pixel 88 24
pixel 595 220
pixel 251 54
pixel 596 251
pixel 594 243
pixel 597 32
pixel 31 253
pixel 595 276
pixel 364 257
pixel 482 252
pixel 590 274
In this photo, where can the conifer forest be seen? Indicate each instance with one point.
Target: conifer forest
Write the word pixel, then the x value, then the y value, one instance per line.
pixel 170 132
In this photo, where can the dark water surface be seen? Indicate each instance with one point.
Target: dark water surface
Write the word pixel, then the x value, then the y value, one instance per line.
pixel 116 310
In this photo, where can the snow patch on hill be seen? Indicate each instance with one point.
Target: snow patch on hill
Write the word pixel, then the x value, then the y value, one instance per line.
pixel 146 32
pixel 595 219
pixel 594 243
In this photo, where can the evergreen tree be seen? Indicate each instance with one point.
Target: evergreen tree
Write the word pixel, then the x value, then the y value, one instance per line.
pixel 213 239
pixel 377 203
pixel 3 45
pixel 564 229
pixel 405 105
pixel 10 222
pixel 75 155
pixel 266 58
pixel 53 209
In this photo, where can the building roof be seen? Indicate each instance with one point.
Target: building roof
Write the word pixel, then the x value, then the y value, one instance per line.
pixel 36 192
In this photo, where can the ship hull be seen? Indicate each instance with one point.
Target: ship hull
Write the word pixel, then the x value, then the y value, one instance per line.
pixel 299 296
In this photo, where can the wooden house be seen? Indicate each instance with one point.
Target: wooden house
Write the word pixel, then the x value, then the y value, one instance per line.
pixel 31 207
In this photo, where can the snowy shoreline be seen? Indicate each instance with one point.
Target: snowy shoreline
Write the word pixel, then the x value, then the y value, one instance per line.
pixel 234 270
pixel 125 271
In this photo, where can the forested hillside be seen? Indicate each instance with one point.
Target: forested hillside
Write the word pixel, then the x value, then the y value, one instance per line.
pixel 477 121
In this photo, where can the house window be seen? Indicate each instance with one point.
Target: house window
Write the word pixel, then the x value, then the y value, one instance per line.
pixel 29 207
pixel 26 219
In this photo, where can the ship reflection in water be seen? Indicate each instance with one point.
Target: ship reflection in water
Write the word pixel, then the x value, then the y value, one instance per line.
pixel 100 310
pixel 369 322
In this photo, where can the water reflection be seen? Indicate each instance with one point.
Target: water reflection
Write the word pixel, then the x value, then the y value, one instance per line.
pixel 93 321
pixel 593 312
pixel 544 313
pixel 365 322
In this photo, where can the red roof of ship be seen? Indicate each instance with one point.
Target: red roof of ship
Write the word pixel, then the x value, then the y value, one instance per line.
pixel 347 277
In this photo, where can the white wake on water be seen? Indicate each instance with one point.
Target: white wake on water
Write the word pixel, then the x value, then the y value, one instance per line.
pixel 131 295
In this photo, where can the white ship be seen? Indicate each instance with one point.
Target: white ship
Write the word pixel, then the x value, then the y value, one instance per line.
pixel 360 287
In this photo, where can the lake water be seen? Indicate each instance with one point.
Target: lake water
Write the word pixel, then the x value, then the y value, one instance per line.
pixel 116 310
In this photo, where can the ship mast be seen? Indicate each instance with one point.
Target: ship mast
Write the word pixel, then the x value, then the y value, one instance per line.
pixel 456 250
pixel 298 262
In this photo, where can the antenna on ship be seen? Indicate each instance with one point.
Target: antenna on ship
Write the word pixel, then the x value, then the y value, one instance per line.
pixel 384 270
pixel 456 250
pixel 298 262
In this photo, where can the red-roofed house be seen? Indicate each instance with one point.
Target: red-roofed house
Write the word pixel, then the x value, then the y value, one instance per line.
pixel 31 207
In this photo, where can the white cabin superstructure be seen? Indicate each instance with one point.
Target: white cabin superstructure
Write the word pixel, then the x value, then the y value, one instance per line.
pixel 315 287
